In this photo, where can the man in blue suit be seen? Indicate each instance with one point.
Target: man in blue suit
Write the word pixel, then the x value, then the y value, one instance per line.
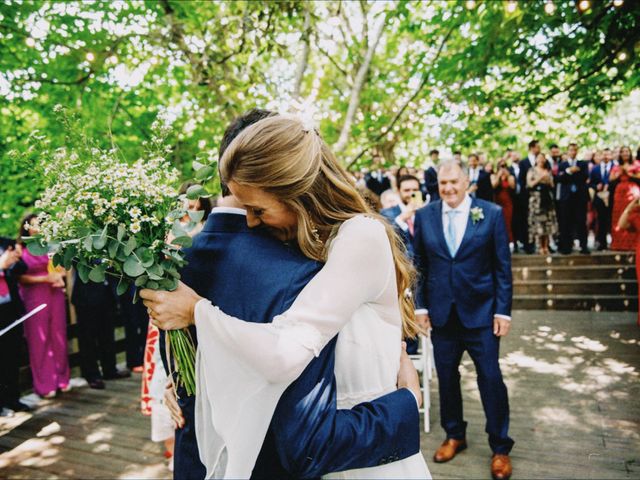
pixel 599 184
pixel 573 198
pixel 251 275
pixel 402 216
pixel 462 255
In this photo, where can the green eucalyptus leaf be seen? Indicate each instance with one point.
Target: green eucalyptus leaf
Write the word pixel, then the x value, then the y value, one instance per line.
pixel 196 216
pixel 121 232
pixel 197 165
pixel 87 243
pixel 195 192
pixel 153 285
pixel 83 271
pixel 69 253
pixel 141 280
pixel 205 173
pixel 101 241
pixel 183 241
pixel 113 248
pixel 57 259
pixel 130 246
pixel 37 247
pixel 97 273
pixel 122 287
pixel 133 267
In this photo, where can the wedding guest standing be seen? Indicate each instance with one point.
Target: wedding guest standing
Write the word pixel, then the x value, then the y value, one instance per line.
pixel 504 187
pixel 401 216
pixel 625 175
pixel 465 293
pixel 431 177
pixel 629 221
pixel 46 331
pixel 573 199
pixel 599 186
pixel 542 214
pixel 377 180
pixel 11 309
pixel 479 180
pixel 96 306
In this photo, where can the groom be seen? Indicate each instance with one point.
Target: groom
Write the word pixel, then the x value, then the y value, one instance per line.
pixel 250 274
pixel 465 289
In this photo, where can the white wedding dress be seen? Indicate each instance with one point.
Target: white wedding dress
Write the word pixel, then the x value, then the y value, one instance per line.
pixel 242 369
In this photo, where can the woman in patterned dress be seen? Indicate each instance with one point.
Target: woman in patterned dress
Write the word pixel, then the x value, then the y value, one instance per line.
pixel 542 214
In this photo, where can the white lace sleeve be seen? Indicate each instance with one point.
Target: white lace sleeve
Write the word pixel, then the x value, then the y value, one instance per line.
pixel 243 368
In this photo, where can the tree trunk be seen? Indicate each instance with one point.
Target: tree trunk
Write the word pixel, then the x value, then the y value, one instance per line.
pixel 303 61
pixel 361 76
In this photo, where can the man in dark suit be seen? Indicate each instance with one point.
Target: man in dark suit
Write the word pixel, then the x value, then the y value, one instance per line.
pixel 573 198
pixel 11 308
pixel 96 307
pixel 599 185
pixel 431 178
pixel 464 293
pixel 377 180
pixel 479 180
pixel 308 437
pixel 401 216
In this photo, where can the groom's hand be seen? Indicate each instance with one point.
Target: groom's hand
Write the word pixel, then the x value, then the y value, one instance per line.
pixel 408 375
pixel 423 320
pixel 501 326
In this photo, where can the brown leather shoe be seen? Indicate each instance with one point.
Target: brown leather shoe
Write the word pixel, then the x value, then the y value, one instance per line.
pixel 501 467
pixel 449 448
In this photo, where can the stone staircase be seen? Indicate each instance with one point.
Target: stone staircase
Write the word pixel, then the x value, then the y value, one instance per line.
pixel 600 281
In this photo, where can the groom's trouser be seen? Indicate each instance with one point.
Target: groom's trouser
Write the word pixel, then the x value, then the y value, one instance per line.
pixel 186 458
pixel 449 343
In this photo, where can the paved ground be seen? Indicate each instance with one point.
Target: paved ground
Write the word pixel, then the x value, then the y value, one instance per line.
pixel 574 391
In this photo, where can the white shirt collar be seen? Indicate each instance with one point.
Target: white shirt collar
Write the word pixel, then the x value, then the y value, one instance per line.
pixel 236 211
pixel 465 205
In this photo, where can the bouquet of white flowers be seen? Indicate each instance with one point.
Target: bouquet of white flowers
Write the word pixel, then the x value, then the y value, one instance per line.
pixel 106 217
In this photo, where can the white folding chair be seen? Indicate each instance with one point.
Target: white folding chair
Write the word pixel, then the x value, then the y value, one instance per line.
pixel 424 363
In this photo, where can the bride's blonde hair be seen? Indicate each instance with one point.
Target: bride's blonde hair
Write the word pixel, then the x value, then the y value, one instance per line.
pixel 283 157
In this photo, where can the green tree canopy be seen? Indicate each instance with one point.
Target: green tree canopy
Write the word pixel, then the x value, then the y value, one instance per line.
pixel 399 77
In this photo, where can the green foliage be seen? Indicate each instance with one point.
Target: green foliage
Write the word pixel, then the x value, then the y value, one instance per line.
pixel 443 75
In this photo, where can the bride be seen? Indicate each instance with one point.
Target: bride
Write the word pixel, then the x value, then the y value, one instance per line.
pixel 292 184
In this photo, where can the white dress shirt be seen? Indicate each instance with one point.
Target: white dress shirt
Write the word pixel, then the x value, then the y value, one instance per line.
pixel 461 219
pixel 236 211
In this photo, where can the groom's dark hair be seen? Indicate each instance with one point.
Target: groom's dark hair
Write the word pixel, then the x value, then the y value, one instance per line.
pixel 233 130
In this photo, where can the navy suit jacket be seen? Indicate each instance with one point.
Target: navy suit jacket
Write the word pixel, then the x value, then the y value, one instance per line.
pixel 485 189
pixel 390 214
pixel 596 178
pixel 477 280
pixel 376 185
pixel 521 180
pixel 253 276
pixel 431 183
pixel 574 184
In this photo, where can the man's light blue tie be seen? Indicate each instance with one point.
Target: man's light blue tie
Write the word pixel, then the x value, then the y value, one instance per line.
pixel 450 236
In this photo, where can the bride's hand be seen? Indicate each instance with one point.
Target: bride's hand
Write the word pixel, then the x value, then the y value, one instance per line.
pixel 171 310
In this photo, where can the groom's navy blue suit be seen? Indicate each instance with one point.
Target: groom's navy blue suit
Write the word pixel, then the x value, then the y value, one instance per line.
pixel 252 276
pixel 463 293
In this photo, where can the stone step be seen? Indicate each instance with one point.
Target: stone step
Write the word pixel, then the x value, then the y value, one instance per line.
pixel 596 258
pixel 564 272
pixel 576 302
pixel 625 287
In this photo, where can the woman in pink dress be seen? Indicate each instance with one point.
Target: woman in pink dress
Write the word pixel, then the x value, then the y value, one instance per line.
pixel 46 332
pixel 629 221
pixel 624 175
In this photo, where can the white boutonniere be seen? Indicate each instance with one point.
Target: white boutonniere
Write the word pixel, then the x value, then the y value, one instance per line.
pixel 476 215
